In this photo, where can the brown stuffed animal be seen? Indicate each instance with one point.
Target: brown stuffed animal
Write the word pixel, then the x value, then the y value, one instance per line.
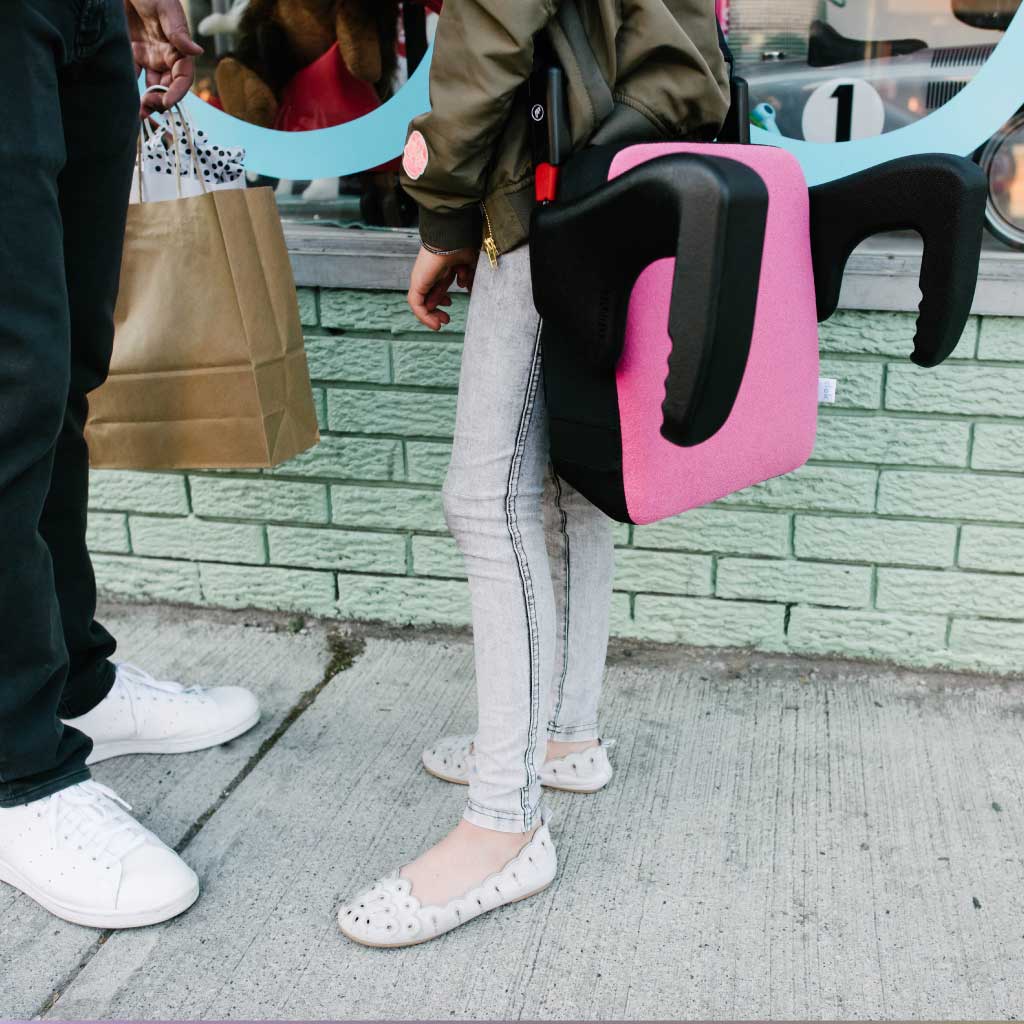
pixel 278 38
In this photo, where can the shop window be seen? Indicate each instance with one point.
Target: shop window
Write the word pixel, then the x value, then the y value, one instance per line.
pixel 820 71
pixel 296 66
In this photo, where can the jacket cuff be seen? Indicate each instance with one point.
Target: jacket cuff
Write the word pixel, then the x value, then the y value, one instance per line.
pixel 458 229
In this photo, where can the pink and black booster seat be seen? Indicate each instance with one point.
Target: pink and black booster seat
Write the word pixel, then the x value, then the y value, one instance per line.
pixel 681 286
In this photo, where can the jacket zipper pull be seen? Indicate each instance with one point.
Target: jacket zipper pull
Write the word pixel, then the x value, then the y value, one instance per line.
pixel 492 251
pixel 490 246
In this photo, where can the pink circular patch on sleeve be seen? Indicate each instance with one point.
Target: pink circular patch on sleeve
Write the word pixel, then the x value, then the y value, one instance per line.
pixel 414 159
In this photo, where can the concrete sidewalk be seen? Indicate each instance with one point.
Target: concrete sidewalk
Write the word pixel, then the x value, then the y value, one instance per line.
pixel 783 839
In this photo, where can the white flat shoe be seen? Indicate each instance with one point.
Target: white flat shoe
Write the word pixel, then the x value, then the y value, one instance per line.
pixel 586 771
pixel 389 915
pixel 143 715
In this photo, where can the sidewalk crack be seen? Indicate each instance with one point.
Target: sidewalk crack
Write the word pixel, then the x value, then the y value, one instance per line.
pixel 342 649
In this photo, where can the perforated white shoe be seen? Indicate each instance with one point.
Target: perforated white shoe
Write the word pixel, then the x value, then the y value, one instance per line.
pixel 83 857
pixel 389 915
pixel 585 771
pixel 143 715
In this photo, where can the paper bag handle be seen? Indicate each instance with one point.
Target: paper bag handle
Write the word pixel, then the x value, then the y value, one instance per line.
pixel 189 140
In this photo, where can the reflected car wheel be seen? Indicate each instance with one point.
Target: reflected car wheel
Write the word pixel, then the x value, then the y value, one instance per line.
pixel 1002 159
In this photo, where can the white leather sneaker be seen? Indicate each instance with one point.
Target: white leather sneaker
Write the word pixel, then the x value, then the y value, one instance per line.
pixel 586 771
pixel 143 715
pixel 79 854
pixel 389 915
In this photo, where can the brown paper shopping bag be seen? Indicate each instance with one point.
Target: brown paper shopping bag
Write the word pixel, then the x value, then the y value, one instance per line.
pixel 209 368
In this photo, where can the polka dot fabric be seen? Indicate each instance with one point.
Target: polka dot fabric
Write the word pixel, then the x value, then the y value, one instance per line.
pixel 165 150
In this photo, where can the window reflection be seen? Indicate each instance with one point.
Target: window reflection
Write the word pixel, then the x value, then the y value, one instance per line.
pixel 820 70
pixel 298 65
pixel 834 70
pixel 1003 159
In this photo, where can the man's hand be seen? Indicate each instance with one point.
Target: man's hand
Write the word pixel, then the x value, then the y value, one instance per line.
pixel 161 45
pixel 431 279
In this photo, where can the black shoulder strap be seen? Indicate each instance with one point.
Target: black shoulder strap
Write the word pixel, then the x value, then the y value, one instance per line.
pixel 736 127
pixel 570 41
pixel 723 45
pixel 567 44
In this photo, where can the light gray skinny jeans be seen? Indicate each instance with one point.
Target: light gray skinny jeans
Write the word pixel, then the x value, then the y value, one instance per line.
pixel 538 555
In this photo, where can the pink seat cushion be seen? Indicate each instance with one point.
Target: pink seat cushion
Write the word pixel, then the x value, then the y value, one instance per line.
pixel 771 428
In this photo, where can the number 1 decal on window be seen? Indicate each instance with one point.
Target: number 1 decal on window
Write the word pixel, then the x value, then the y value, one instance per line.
pixel 842 109
pixel 843 96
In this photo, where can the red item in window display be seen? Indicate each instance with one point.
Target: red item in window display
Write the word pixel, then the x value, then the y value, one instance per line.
pixel 323 94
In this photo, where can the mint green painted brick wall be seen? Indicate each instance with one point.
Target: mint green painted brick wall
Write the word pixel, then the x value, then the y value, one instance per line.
pixel 902 539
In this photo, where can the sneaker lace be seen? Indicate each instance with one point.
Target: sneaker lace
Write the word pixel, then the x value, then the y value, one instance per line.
pixel 92 817
pixel 135 676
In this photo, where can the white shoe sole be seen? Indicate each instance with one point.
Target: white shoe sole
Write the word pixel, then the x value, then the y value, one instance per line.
pixel 120 748
pixel 430 938
pixel 592 788
pixel 443 777
pixel 92 919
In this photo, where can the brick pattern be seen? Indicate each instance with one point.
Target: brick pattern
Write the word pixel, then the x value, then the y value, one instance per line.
pixel 902 539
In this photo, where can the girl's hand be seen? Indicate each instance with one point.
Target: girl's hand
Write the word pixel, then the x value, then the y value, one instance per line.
pixel 431 279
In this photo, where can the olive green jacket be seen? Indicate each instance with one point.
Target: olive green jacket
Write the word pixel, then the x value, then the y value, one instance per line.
pixel 634 69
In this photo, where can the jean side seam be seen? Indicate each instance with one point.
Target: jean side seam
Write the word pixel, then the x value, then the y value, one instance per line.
pixel 511 519
pixel 564 529
pixel 535 687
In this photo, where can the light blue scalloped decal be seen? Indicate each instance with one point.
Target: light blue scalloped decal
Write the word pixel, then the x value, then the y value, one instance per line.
pixel 959 126
pixel 370 140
